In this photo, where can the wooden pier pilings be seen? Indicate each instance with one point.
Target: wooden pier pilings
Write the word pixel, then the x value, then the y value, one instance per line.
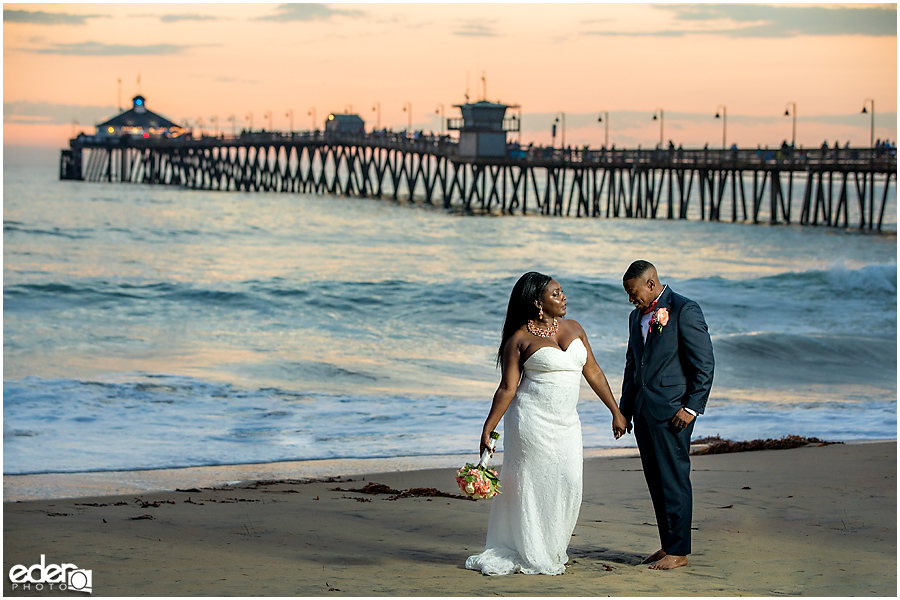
pixel 827 186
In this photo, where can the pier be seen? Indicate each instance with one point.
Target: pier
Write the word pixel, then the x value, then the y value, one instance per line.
pixel 834 187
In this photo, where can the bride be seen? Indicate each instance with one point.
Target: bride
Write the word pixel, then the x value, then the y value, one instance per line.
pixel 542 358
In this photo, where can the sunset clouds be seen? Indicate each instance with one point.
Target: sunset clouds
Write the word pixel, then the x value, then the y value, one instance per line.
pixel 230 64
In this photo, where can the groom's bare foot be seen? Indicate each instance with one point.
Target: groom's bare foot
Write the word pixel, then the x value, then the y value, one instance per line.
pixel 669 561
pixel 654 557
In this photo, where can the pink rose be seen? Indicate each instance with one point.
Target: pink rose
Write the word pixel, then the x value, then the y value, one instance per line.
pixel 662 316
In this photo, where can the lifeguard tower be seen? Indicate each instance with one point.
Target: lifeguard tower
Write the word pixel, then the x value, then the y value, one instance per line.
pixel 483 129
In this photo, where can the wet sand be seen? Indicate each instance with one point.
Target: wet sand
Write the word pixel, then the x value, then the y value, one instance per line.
pixel 819 521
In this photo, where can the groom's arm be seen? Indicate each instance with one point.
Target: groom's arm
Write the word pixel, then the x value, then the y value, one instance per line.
pixel 696 351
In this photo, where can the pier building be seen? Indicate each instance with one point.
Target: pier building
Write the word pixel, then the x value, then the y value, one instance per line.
pixel 140 122
pixel 482 129
pixel 346 124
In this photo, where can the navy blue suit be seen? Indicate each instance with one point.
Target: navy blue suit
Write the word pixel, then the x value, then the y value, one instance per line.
pixel 672 370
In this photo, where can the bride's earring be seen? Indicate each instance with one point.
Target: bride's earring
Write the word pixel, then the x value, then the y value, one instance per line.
pixel 540 313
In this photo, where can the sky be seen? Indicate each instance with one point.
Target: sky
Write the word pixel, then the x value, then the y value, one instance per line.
pixel 225 67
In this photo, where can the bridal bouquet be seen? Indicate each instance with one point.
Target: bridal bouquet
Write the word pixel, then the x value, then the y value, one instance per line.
pixel 478 480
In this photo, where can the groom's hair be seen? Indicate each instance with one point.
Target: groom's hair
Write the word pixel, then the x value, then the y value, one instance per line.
pixel 637 269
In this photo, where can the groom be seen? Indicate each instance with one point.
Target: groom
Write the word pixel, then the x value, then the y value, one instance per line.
pixel 668 375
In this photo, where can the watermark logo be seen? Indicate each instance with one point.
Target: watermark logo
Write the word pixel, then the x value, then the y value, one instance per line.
pixel 55 577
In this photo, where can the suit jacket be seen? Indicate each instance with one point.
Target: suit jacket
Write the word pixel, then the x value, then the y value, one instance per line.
pixel 674 369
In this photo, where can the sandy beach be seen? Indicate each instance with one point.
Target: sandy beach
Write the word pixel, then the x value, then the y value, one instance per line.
pixel 817 521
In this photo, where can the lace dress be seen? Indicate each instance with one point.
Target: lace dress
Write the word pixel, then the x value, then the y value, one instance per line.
pixel 532 520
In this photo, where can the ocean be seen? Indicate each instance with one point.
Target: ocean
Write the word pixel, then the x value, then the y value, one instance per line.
pixel 154 328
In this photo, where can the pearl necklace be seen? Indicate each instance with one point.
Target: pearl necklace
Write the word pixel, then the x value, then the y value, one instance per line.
pixel 544 333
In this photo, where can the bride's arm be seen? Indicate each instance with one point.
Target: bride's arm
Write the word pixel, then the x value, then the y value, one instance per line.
pixel 597 380
pixel 506 391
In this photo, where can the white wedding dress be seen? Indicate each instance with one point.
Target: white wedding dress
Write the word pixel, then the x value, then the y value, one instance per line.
pixel 532 519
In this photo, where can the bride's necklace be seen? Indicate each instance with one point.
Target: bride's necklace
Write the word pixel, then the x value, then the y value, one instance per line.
pixel 544 333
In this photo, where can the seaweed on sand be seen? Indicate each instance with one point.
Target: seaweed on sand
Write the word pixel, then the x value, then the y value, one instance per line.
pixel 716 445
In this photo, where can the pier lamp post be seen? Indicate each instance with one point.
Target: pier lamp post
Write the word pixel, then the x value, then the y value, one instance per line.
pixel 407 108
pixel 562 115
pixel 872 128
pixel 233 120
pixel 268 115
pixel 290 114
pixel 377 109
pixel 724 117
pixel 661 123
pixel 215 121
pixel 605 120
pixel 200 125
pixel 792 113
pixel 519 108
pixel 249 119
pixel 312 112
pixel 440 111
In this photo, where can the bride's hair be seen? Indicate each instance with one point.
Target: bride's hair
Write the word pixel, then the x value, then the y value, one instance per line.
pixel 529 288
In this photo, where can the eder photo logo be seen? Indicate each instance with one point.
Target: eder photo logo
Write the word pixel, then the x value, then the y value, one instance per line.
pixel 55 577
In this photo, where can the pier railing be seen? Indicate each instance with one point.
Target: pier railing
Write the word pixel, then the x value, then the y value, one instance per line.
pixel 833 186
pixel 800 159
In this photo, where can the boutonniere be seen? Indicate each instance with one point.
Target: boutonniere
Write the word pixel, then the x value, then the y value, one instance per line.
pixel 659 319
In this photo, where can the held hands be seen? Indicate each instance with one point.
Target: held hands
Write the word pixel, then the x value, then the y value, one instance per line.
pixel 620 425
pixel 682 419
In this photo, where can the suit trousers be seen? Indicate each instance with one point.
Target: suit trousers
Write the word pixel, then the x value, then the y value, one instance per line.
pixel 665 456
